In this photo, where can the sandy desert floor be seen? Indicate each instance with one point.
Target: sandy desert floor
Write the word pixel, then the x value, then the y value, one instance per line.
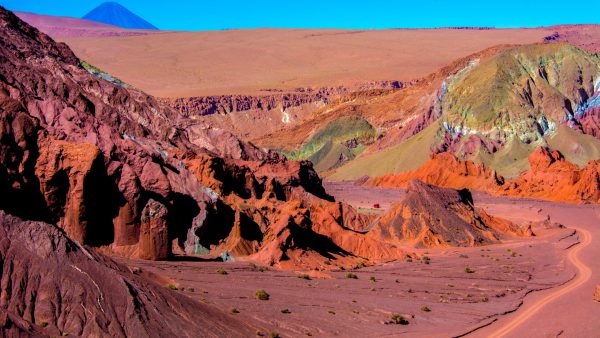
pixel 501 296
pixel 182 64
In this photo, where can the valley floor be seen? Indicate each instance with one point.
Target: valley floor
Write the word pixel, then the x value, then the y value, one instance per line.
pixel 464 289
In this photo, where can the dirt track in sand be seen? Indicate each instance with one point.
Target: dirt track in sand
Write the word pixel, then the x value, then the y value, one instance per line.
pixel 583 275
pixel 566 310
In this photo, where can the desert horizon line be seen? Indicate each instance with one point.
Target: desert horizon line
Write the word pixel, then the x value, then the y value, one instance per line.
pixel 348 28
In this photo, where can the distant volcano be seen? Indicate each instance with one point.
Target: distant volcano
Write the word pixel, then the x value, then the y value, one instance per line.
pixel 114 14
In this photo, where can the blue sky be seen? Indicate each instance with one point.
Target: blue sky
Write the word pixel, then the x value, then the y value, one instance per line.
pixel 221 14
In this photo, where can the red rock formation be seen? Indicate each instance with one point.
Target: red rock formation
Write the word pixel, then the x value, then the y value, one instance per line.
pixel 280 215
pixel 429 216
pixel 154 232
pixel 444 170
pixel 552 177
pixel 597 293
pixel 53 286
pixel 90 156
pixel 115 169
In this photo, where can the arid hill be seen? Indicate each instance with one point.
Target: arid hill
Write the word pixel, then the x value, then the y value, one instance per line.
pixel 430 216
pixel 444 170
pixel 53 286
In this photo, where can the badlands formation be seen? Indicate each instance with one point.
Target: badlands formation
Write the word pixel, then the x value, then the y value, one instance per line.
pixel 427 182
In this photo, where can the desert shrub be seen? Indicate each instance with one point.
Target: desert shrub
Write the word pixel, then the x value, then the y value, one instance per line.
pixel 234 311
pixel 425 308
pixel 43 323
pixel 351 275
pixel 262 295
pixel 469 270
pixel 171 287
pixel 398 319
pixel 286 311
pixel 304 276
pixel 221 271
pixel 372 279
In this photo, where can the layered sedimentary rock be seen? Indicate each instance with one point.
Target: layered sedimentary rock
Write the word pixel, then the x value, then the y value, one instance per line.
pixel 227 104
pixel 429 216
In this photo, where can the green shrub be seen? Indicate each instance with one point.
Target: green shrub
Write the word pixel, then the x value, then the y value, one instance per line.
pixel 43 323
pixel 398 319
pixel 171 286
pixel 262 295
pixel 351 275
pixel 221 271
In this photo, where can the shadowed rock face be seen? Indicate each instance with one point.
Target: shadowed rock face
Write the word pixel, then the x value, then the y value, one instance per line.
pixel 50 286
pixel 278 213
pixel 82 153
pixel 114 168
pixel 429 216
pixel 102 161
